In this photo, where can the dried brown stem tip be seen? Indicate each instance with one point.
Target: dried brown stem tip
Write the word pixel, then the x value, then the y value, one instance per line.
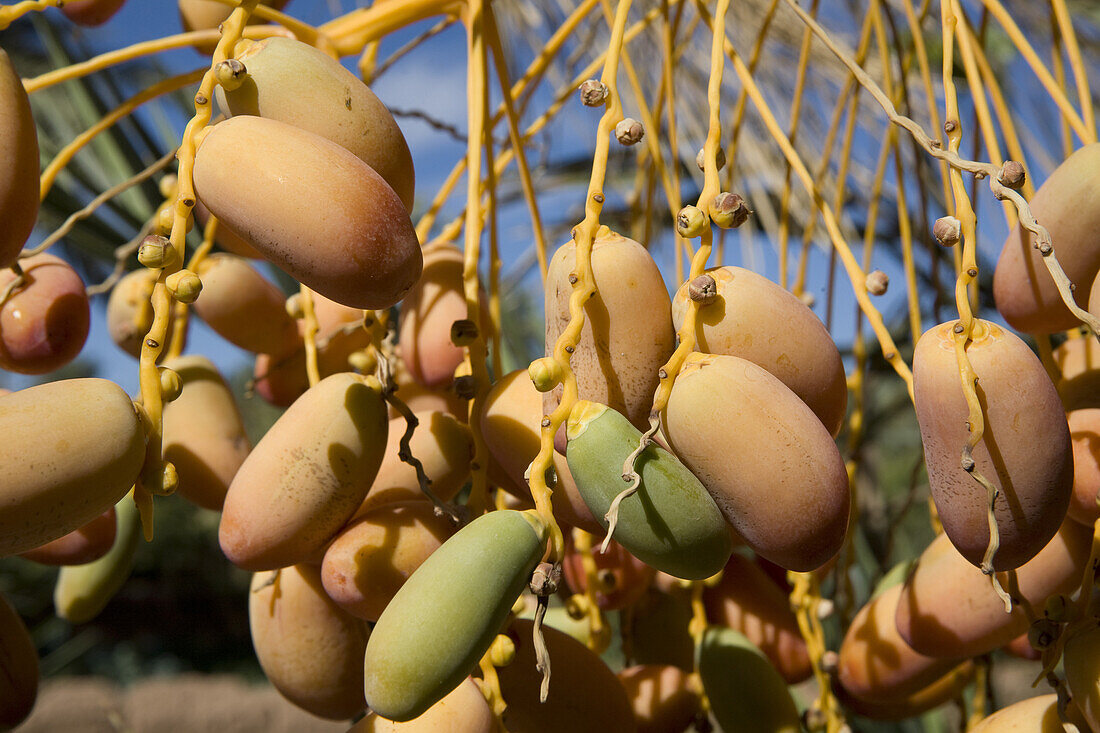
pixel 156 252
pixel 719 159
pixel 703 290
pixel 593 93
pixel 877 282
pixel 544 580
pixel 947 230
pixel 1012 174
pixel 728 210
pixel 691 222
pixel 230 74
pixel 463 332
pixel 629 131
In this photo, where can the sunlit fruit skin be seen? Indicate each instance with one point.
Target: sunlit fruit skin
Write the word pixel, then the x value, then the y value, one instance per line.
pixel 73 448
pixel 755 319
pixel 1067 206
pixel 671 523
pixel 1078 360
pixel 509 422
pixel 309 648
pixel 83 591
pixel 204 435
pixel 19 174
pixel 1081 658
pixel 294 82
pixel 768 462
pixel 306 476
pixel 948 608
pixel 44 323
pixel 623 578
pixel 586 697
pixel 463 710
pixel 18 668
pixel 371 559
pixel 427 312
pixel 876 664
pixel 948 687
pixel 627 332
pixel 661 696
pixel 748 601
pixel 1033 715
pixel 91 12
pixel 225 237
pixel 85 544
pixel 129 312
pixel 444 447
pixel 312 208
pixel 1024 450
pixel 745 691
pixel 244 307
pixel 448 612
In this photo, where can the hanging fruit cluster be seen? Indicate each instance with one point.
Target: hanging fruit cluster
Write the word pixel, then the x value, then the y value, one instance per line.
pixel 438 544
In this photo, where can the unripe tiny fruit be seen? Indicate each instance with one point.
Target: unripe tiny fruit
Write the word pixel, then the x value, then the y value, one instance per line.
pixel 728 210
pixel 156 252
pixel 362 362
pixel 703 290
pixel 1060 610
pixel 545 373
pixel 719 159
pixel 1012 174
pixel 629 131
pixel 230 74
pixel 503 651
pixel 170 384
pixel 463 332
pixel 169 186
pixel 947 230
pixel 184 286
pixel 294 307
pixel 691 222
pixel 877 282
pixel 1042 633
pixel 593 93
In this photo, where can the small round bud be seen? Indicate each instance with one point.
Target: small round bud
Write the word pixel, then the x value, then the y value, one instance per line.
pixel 503 651
pixel 294 307
pixel 1061 609
pixel 691 222
pixel 363 361
pixel 947 230
pixel 230 74
pixel 593 93
pixel 545 373
pixel 1043 632
pixel 877 282
pixel 184 286
pixel 830 660
pixel 463 332
pixel 162 482
pixel 169 186
pixel 1012 174
pixel 807 298
pixel 814 718
pixel 629 131
pixel 607 580
pixel 170 384
pixel 576 606
pixel 825 608
pixel 156 252
pixel 465 386
pixel 950 126
pixel 728 210
pixel 703 290
pixel 719 159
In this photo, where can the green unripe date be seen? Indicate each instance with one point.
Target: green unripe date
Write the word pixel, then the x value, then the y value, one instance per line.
pixel 310 207
pixel 82 591
pixel 447 614
pixel 746 692
pixel 671 523
pixel 72 449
